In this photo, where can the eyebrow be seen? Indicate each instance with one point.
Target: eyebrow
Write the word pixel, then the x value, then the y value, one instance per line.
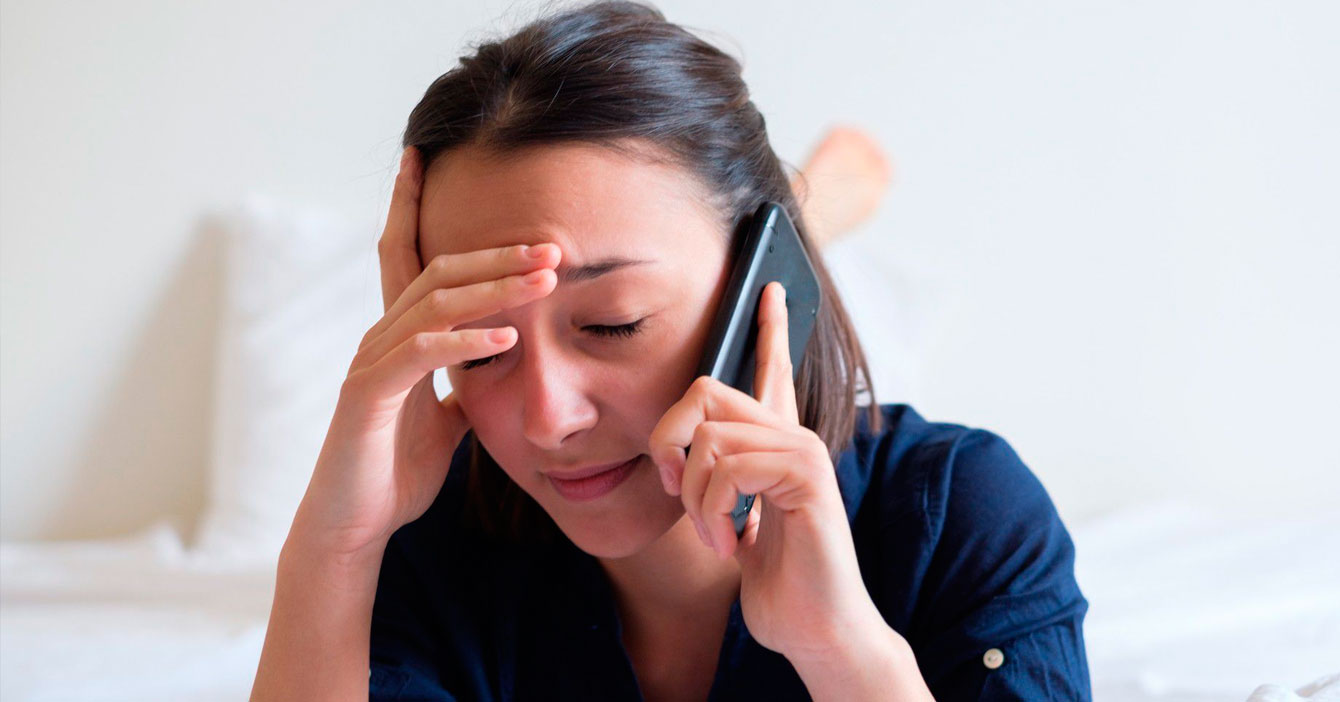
pixel 591 271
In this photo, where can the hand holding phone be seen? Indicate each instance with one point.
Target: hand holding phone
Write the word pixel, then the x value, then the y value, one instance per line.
pixel 770 250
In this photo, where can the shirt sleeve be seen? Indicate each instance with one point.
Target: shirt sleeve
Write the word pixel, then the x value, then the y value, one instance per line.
pixel 1002 616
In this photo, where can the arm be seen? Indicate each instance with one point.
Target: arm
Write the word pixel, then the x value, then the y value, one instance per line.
pixel 877 665
pixel 996 612
pixel 316 644
pixel 1001 576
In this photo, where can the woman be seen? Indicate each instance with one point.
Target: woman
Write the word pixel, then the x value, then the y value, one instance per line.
pixel 575 189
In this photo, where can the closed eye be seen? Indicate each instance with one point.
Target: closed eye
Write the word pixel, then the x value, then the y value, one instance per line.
pixel 618 330
pixel 624 330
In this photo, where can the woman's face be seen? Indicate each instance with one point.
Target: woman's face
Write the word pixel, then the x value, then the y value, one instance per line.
pixel 565 396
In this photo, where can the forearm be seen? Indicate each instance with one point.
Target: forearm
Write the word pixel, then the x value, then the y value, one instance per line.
pixel 876 665
pixel 316 644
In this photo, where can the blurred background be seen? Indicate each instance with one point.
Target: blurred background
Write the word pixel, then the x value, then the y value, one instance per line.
pixel 1112 238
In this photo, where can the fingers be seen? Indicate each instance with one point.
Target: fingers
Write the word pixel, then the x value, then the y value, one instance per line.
pixel 460 269
pixel 711 440
pixel 715 442
pixel 747 537
pixel 706 399
pixel 741 445
pixel 397 371
pixel 398 248
pixel 774 376
pixel 386 363
pixel 443 308
pixel 750 473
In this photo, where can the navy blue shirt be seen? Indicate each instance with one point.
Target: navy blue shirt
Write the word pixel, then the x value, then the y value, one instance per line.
pixel 959 545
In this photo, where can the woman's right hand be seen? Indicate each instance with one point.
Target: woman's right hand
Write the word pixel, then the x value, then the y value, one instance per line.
pixel 391 440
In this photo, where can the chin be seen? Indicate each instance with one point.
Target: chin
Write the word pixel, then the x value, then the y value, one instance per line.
pixel 606 542
pixel 625 537
pixel 605 549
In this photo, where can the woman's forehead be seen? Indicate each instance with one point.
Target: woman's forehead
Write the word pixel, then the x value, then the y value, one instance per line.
pixel 591 202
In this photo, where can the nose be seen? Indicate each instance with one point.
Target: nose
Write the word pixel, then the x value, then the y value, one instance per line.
pixel 555 405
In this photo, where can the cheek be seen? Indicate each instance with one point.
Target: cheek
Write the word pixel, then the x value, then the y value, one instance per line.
pixel 638 390
pixel 484 410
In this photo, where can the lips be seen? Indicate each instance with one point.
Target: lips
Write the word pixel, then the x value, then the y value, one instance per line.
pixel 601 483
pixel 587 472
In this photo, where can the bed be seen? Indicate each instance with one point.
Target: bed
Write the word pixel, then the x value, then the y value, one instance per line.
pixel 1186 605
pixel 1187 602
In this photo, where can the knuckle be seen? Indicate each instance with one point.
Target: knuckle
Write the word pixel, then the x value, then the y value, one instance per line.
pixel 353 384
pixel 817 447
pixel 407 181
pixel 657 445
pixel 360 358
pixel 421 343
pixel 704 384
pixel 438 300
pixel 439 264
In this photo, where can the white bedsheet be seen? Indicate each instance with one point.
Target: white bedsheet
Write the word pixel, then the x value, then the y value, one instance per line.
pixel 131 619
pixel 1190 605
pixel 1186 605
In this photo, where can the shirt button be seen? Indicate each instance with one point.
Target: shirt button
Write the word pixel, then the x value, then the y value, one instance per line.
pixel 993 658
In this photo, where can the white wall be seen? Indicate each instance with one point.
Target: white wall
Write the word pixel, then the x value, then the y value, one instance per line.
pixel 1115 222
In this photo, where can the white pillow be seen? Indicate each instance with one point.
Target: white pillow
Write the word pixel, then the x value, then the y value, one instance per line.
pixel 301 289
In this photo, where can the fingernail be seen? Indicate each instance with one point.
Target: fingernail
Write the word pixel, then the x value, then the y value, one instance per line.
pixel 535 251
pixel 534 278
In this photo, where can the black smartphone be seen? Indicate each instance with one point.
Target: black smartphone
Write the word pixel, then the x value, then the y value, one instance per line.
pixel 770 250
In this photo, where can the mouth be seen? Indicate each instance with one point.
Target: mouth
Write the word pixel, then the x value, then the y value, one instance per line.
pixel 596 483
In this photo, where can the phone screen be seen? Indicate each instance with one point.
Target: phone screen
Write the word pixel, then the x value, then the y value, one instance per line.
pixel 770 250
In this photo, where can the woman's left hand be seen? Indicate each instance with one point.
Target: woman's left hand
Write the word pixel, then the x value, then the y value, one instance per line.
pixel 801 591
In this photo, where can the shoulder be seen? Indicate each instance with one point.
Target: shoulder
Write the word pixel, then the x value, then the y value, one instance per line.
pixel 961 518
pixel 951 476
pixel 967 551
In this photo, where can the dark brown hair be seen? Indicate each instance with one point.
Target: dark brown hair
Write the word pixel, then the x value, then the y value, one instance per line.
pixel 614 74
